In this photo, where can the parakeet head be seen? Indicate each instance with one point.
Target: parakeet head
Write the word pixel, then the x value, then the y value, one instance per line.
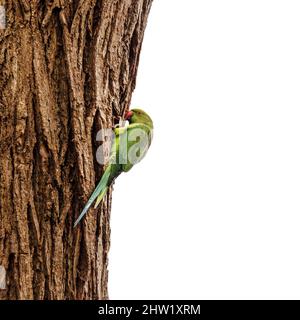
pixel 138 116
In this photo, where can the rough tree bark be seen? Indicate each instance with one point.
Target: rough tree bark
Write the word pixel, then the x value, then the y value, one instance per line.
pixel 67 69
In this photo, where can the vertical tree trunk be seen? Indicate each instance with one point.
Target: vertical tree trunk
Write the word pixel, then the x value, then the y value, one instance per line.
pixel 67 69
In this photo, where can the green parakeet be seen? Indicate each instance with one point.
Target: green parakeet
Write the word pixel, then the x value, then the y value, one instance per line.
pixel 129 146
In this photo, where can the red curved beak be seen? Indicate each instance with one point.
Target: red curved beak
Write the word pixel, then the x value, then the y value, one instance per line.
pixel 128 115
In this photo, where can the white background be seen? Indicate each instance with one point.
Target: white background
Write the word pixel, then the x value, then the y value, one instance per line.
pixel 212 212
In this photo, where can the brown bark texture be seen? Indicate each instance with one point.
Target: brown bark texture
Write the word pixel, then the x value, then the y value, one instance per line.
pixel 67 69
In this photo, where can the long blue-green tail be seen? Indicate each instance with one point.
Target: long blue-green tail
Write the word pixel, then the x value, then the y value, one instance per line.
pixel 100 189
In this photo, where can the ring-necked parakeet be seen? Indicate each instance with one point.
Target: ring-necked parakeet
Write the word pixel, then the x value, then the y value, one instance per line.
pixel 130 145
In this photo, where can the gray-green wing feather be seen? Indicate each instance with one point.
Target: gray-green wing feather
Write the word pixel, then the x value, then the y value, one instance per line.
pixel 144 144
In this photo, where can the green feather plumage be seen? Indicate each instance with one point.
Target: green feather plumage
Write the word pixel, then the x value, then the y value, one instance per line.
pixel 118 161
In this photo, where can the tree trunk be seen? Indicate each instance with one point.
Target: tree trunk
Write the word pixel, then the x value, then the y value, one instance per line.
pixel 67 69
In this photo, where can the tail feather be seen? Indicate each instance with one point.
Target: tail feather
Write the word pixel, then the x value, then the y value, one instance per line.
pixel 102 185
pixel 100 197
